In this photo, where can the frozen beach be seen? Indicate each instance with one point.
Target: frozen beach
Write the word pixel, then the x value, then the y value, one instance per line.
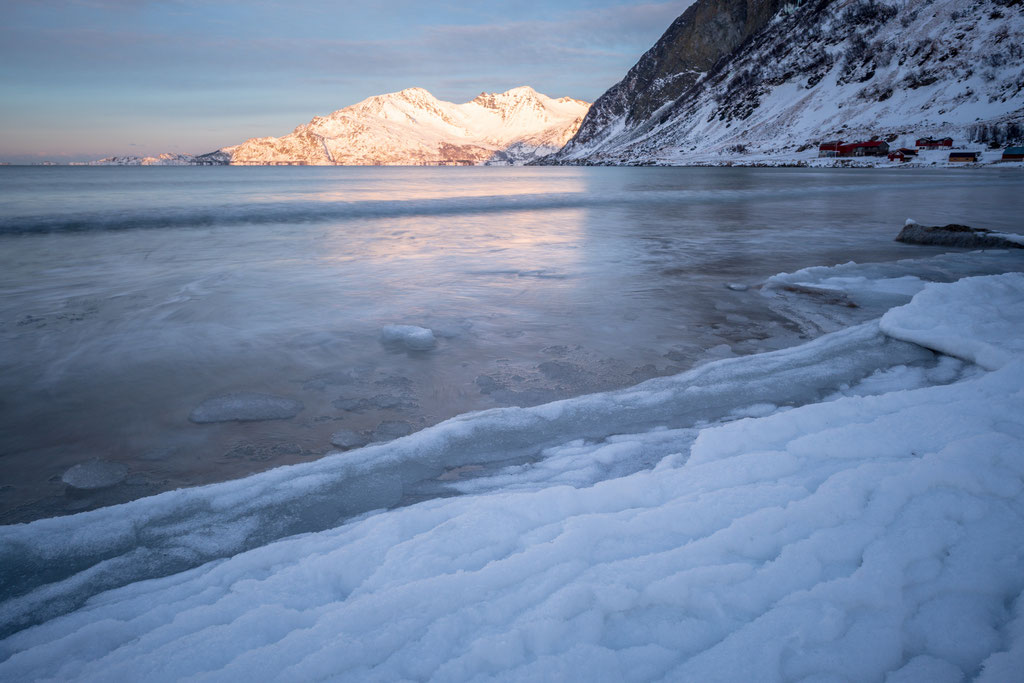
pixel 847 509
pixel 835 496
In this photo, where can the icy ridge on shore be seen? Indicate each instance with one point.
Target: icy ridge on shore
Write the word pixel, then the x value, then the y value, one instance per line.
pixel 849 508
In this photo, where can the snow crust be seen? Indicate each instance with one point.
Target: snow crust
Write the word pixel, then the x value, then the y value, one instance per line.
pixel 826 298
pixel 974 325
pixel 850 509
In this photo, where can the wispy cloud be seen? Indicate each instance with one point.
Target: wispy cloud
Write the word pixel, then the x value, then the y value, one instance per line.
pixel 119 62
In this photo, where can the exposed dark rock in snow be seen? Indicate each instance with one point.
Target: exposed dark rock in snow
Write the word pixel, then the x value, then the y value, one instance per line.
pixel 95 474
pixel 246 407
pixel 705 33
pixel 954 235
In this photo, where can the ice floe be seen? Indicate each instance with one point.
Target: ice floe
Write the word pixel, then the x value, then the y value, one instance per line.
pixel 245 407
pixel 411 337
pixel 95 474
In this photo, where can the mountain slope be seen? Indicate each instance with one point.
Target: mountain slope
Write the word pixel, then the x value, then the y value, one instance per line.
pixel 812 71
pixel 413 127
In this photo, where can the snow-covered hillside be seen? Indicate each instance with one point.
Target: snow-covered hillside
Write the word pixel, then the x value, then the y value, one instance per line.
pixel 218 158
pixel 825 70
pixel 412 127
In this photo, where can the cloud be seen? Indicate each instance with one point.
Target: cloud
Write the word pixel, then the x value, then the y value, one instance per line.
pixel 128 64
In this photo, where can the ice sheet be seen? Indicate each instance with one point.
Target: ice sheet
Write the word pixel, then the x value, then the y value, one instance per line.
pixel 856 538
pixel 50 566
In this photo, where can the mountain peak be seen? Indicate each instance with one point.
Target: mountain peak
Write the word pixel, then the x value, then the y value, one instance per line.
pixel 412 126
pixel 522 90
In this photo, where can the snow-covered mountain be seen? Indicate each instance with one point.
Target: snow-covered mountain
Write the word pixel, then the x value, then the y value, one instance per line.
pixel 412 127
pixel 755 78
pixel 218 158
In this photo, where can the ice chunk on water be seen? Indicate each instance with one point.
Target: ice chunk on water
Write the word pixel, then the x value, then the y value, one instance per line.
pixel 981 321
pixel 391 429
pixel 95 474
pixel 346 438
pixel 825 298
pixel 410 336
pixel 246 407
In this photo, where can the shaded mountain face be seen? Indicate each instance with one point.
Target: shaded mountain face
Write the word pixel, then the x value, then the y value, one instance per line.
pixel 740 76
pixel 412 127
pixel 704 34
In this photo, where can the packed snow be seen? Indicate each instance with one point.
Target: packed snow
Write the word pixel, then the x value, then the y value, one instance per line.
pixel 849 509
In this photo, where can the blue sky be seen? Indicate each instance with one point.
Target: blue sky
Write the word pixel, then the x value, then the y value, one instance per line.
pixel 81 79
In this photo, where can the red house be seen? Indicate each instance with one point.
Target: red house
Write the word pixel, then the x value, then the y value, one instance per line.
pixel 934 143
pixel 870 148
pixel 902 154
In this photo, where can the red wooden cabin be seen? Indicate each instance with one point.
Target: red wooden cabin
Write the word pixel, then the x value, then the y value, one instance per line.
pixel 934 143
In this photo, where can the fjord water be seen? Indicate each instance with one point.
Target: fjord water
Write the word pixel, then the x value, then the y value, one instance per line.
pixel 128 296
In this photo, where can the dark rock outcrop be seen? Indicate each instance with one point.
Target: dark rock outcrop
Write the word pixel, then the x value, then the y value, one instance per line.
pixel 954 235
pixel 742 81
pixel 705 33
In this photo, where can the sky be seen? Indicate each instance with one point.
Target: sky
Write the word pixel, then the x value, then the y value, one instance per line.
pixel 84 79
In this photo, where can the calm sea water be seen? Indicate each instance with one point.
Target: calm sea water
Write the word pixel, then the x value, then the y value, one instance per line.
pixel 128 296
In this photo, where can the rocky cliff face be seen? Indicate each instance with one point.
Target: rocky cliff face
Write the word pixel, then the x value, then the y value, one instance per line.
pixel 704 34
pixel 732 78
pixel 412 127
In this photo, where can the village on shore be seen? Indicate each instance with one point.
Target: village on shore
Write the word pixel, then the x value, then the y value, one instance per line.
pixel 880 148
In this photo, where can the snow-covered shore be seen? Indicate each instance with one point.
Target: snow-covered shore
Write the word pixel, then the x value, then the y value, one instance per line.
pixel 848 509
pixel 788 157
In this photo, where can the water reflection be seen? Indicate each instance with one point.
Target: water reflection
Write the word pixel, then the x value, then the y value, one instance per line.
pixel 111 338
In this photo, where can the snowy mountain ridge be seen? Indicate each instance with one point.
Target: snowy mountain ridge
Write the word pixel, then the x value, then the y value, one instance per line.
pixel 218 158
pixel 412 127
pixel 780 79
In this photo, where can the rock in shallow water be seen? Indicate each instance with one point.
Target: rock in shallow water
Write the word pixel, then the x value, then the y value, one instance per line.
pixel 246 407
pixel 95 474
pixel 954 235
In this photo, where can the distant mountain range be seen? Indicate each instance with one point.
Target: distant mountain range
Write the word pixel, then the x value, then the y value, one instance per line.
pixel 410 127
pixel 730 81
pixel 743 79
